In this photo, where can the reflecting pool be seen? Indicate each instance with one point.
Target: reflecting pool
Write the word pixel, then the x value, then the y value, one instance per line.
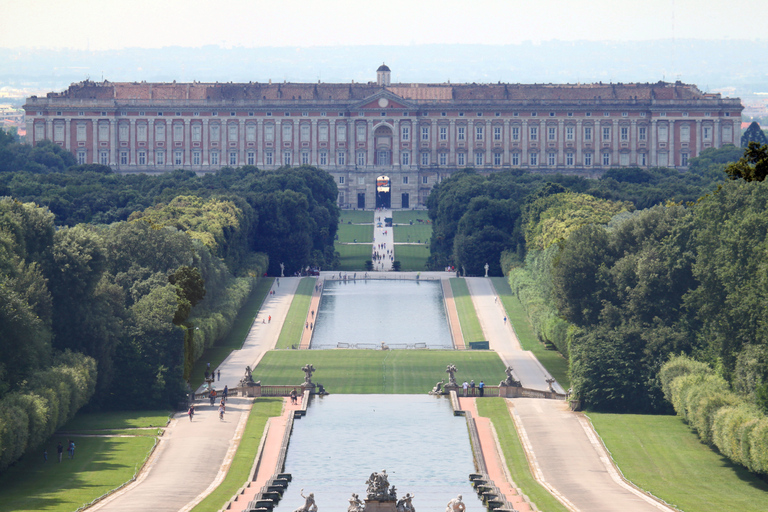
pixel 344 438
pixel 365 313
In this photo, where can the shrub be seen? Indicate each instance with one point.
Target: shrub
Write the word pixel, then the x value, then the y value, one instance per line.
pixel 676 367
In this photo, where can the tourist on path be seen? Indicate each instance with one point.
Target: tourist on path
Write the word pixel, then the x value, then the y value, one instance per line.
pixel 60 450
pixel 191 412
pixel 481 387
pixel 221 412
pixel 225 392
pixel 293 396
pixel 71 449
pixel 218 374
pixel 466 387
pixel 472 386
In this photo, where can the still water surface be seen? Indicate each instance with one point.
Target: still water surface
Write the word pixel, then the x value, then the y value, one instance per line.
pixel 366 313
pixel 345 438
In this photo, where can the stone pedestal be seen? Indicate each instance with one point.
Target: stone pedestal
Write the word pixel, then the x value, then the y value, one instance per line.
pixel 380 506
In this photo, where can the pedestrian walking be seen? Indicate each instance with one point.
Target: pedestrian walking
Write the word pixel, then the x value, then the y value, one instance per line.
pixel 311 325
pixel 293 396
pixel 45 455
pixel 481 387
pixel 191 412
pixel 225 393
pixel 505 320
pixel 60 450
pixel 218 374
pixel 270 319
pixel 466 387
pixel 307 325
pixel 221 412
pixel 71 449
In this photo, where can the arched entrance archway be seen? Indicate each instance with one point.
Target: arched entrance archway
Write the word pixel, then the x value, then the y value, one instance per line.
pixel 383 192
pixel 382 137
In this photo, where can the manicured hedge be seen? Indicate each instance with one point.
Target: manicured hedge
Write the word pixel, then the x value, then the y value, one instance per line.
pixel 49 399
pixel 736 427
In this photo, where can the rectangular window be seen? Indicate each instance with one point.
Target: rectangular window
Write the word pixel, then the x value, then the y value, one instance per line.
pixel 443 133
pixel 587 133
pixel 269 132
pixel 81 157
pixel 405 133
pixel 141 132
pixel 160 157
pixel 606 159
pixel 58 132
pixel 323 158
pixel 341 158
pixel 642 133
pixel 251 158
pixel 515 159
pixel 479 132
pixel 341 133
pixel 160 132
pixel 461 159
pixel 684 159
pixel 361 180
pixel 197 131
pixel 552 133
pixel 178 158
pixel 305 158
pixel 178 132
pixel 515 133
pixel 142 158
pixel 569 159
pixel 606 133
pixel 425 180
pixel 103 132
pixel 497 133
pixel 122 132
pixel 104 158
pixel 214 158
pixel 588 159
pixel 405 180
pixel 361 158
pixel 478 159
pixel 727 134
pixel 643 159
pixel 233 158
pixel 341 180
pixel 706 133
pixel 425 159
pixel 569 132
pixel 624 133
pixel 39 131
pixel 287 134
pixel 533 159
pixel 685 133
pixel 195 158
pixel 360 132
pixel 443 159
pixel 663 134
pixel 250 132
pixel 551 159
pixel 497 159
pixel 322 132
pixel 405 158
pixel 425 133
pixel 286 158
pixel 624 159
pixel 534 133
pixel 123 158
pixel 461 134
pixel 269 158
pixel 305 132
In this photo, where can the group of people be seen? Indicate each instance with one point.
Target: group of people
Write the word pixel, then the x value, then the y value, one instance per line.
pixel 469 388
pixel 212 396
pixel 60 451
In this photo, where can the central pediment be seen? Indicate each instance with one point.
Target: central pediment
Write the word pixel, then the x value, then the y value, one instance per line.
pixel 383 100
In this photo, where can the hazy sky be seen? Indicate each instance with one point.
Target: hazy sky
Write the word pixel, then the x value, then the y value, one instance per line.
pixel 114 24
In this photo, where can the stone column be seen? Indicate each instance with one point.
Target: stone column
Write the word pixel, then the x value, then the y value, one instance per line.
pixel 205 162
pixel 259 143
pixel 506 137
pixel 560 142
pixel 488 160
pixel 654 144
pixel 718 136
pixel 396 145
pixel 296 150
pixel 471 140
pixel 278 142
pixel 633 143
pixel 113 142
pixel 241 141
pixel 371 144
pixel 452 143
pixel 672 162
pixel 698 138
pixel 67 134
pixel 187 143
pixel 150 144
pixel 524 144
pixel 313 137
pixel 332 144
pixel 48 129
pixel 578 141
pixel 132 143
pixel 615 160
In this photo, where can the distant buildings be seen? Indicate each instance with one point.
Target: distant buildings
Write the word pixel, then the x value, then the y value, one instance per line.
pixel 413 135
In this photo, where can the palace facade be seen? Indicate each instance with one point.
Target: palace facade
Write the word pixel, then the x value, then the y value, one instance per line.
pixel 406 136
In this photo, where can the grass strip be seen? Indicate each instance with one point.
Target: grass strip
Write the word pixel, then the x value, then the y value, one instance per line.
pixel 551 359
pixel 143 432
pixel 470 325
pixel 661 455
pixel 352 258
pixel 236 337
pixel 405 216
pixel 297 314
pixel 377 371
pixel 418 233
pixel 101 464
pixel 355 233
pixel 517 463
pixel 116 420
pixel 412 257
pixel 355 216
pixel 242 462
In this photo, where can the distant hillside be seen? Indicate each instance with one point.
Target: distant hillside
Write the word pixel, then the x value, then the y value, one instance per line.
pixel 737 65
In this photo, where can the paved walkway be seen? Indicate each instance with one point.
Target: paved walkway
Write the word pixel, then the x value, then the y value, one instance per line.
pixel 452 313
pixel 194 456
pixel 502 337
pixel 385 237
pixel 314 306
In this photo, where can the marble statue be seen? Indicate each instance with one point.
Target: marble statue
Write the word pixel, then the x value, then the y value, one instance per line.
pixel 438 389
pixel 309 503
pixel 405 505
pixel 455 505
pixel 550 382
pixel 282 270
pixel 378 487
pixel 486 267
pixel 355 505
pixel 308 371
pixel 451 371
pixel 510 380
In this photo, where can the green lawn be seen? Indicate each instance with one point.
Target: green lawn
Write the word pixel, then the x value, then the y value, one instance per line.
pixel 239 471
pixel 355 216
pixel 236 337
pixel 377 371
pixel 101 464
pixel 418 233
pixel 348 233
pixel 661 455
pixel 552 360
pixel 297 314
pixel 352 258
pixel 517 463
pixel 470 325
pixel 405 216
pixel 412 257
